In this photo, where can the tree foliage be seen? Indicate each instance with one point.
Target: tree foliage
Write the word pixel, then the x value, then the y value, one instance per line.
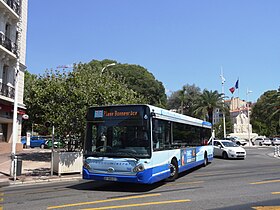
pixel 266 114
pixel 219 127
pixel 185 100
pixel 208 102
pixel 141 81
pixel 63 97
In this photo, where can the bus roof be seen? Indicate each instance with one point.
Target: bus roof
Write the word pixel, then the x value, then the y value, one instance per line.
pixel 164 114
pixel 176 117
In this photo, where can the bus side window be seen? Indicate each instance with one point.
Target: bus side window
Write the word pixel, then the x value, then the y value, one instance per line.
pixel 161 134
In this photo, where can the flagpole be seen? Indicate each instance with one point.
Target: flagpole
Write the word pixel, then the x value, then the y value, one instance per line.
pixel 238 97
pixel 223 92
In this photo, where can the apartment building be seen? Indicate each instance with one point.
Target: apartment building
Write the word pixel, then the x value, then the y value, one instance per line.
pixel 13 28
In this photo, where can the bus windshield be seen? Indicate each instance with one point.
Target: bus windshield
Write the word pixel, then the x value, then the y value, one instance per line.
pixel 118 139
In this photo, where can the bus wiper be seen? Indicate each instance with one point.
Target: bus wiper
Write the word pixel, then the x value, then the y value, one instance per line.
pixel 129 154
pixel 102 147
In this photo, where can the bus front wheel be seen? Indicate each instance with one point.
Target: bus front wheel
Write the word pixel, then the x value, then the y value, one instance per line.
pixel 173 170
pixel 205 161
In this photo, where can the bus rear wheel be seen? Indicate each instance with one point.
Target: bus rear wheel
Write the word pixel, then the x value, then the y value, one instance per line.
pixel 173 171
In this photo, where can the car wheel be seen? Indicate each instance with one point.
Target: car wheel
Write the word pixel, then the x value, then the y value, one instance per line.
pixel 42 146
pixel 225 155
pixel 173 171
pixel 238 143
pixel 260 144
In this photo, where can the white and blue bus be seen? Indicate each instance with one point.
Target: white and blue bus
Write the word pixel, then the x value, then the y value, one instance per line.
pixel 143 144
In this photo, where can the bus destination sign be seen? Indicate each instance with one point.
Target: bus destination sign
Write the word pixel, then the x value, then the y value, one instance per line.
pixel 115 113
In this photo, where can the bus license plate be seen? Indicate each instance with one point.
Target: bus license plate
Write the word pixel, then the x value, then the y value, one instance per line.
pixel 110 178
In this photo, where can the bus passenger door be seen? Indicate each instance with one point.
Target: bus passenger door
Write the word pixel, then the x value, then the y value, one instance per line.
pixel 161 148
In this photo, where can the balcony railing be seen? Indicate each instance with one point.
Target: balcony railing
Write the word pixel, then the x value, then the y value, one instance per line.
pixel 7 91
pixel 8 44
pixel 14 5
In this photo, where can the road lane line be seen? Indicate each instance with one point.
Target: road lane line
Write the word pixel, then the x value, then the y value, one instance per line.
pixel 182 183
pixel 104 201
pixel 139 204
pixel 275 193
pixel 266 182
pixel 266 207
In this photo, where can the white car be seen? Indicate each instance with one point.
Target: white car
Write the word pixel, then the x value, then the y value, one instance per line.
pixel 228 149
pixel 237 140
pixel 275 141
pixel 262 141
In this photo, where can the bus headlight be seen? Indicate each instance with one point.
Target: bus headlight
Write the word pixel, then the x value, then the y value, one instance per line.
pixel 87 166
pixel 139 168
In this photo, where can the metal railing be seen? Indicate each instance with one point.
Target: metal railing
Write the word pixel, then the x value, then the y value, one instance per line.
pixel 8 44
pixel 7 91
pixel 14 5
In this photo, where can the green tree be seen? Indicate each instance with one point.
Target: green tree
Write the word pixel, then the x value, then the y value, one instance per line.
pixel 265 114
pixel 219 127
pixel 138 79
pixel 63 98
pixel 208 101
pixel 186 98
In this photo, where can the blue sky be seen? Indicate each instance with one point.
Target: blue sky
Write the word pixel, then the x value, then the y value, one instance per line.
pixel 179 42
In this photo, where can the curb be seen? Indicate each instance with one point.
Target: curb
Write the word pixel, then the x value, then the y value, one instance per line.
pixel 4 184
pixel 44 181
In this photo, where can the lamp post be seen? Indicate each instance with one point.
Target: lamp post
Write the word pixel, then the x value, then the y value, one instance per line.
pixel 104 68
pixel 247 93
pixel 15 127
pixel 223 92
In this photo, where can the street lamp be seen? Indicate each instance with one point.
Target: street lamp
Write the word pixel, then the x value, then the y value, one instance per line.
pixel 223 92
pixel 104 68
pixel 247 93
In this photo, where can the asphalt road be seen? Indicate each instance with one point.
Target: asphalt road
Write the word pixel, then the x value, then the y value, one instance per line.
pixel 253 183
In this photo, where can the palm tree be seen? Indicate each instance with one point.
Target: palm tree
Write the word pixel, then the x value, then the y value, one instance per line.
pixel 182 98
pixel 208 102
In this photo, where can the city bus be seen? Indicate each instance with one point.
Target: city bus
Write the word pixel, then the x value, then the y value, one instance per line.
pixel 143 144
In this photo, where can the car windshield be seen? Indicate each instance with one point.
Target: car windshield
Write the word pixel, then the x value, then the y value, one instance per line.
pixel 229 144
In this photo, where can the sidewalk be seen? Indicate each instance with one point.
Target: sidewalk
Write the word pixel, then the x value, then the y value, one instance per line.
pixel 36 168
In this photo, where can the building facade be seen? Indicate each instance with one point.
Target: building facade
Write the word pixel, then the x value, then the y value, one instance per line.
pixel 236 106
pixel 13 28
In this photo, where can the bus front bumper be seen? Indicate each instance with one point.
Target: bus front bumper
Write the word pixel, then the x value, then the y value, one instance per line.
pixel 140 177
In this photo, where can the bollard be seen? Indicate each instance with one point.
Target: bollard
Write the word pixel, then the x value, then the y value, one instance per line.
pixel 275 151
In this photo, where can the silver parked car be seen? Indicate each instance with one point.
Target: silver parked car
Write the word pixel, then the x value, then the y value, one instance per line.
pixel 262 141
